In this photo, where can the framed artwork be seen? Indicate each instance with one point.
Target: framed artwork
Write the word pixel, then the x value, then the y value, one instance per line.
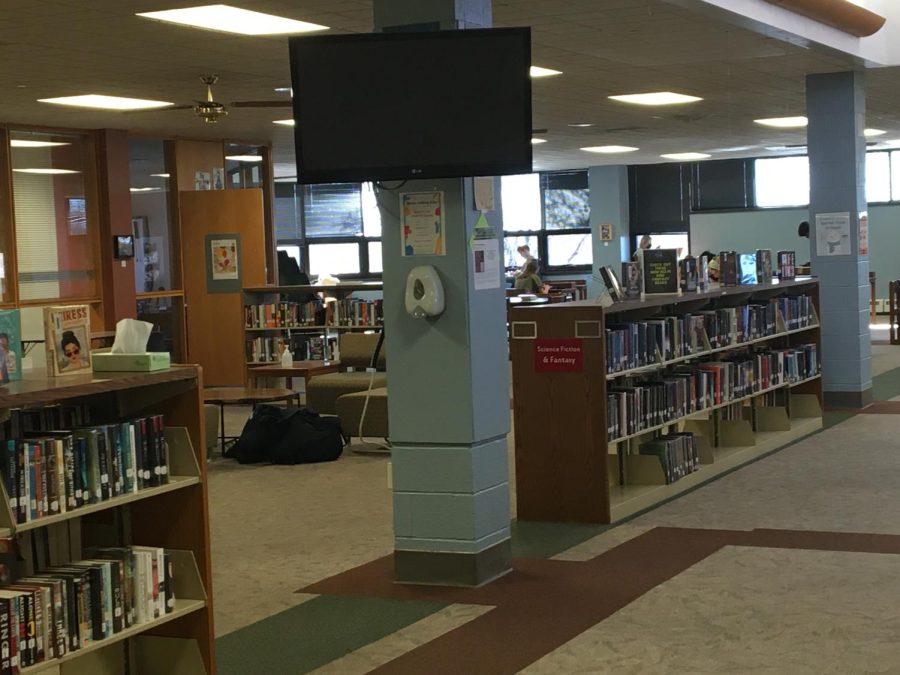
pixel 76 215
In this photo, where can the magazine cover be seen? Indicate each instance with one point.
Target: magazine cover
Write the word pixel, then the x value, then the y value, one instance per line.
pixel 67 331
pixel 632 280
pixel 10 345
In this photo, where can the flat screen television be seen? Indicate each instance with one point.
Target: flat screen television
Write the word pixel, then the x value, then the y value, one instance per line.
pixel 397 106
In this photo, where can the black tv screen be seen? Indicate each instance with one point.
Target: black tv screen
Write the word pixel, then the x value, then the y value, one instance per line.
pixel 395 106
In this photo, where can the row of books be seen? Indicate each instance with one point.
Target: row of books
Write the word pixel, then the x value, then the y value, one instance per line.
pixel 314 347
pixel 52 472
pixel 264 349
pixel 65 608
pixel 23 421
pixel 678 454
pixel 643 343
pixel 348 312
pixel 797 311
pixel 284 315
pixel 642 403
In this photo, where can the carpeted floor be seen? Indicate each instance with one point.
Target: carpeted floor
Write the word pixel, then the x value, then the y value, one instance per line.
pixel 777 567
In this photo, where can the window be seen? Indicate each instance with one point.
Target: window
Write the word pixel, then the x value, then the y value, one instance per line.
pixel 782 182
pixel 878 177
pixel 895 175
pixel 550 213
pixel 520 199
pixel 149 176
pixel 243 166
pixel 55 215
pixel 330 229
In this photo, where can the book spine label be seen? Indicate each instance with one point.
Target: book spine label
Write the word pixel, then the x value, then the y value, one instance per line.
pixel 69 464
pixel 6 646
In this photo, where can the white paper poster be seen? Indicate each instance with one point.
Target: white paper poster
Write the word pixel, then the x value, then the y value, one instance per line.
pixel 422 223
pixel 484 193
pixel 833 234
pixel 864 233
pixel 224 259
pixel 486 253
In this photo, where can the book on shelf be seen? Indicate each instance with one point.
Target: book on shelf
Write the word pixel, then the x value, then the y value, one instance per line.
pixel 677 453
pixel 10 345
pixel 728 268
pixel 611 281
pixel 47 471
pixel 703 273
pixel 764 271
pixel 67 334
pixel 689 274
pixel 748 269
pixel 787 265
pixel 632 280
pixel 336 313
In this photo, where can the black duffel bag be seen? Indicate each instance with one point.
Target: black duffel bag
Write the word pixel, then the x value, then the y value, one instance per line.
pixel 287 436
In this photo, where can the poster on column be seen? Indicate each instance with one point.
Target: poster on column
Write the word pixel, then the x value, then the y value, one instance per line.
pixel 422 223
pixel 832 234
pixel 864 233
pixel 486 253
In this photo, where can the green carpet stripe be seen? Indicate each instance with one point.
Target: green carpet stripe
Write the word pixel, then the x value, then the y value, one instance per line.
pixel 314 633
pixel 545 540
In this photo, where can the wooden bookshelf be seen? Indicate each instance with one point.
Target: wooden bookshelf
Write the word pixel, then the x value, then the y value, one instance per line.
pixel 173 516
pixel 567 470
pixel 255 295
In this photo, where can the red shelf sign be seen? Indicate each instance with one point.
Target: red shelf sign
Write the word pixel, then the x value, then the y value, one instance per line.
pixel 558 356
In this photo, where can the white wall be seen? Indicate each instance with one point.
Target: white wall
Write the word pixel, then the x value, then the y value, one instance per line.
pixel 776 229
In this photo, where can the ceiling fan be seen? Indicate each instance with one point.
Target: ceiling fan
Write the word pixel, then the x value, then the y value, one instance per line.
pixel 211 111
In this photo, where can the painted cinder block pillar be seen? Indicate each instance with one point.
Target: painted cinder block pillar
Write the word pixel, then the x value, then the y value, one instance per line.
pixel 448 377
pixel 836 108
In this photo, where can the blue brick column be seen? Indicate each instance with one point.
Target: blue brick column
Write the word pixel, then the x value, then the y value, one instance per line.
pixel 836 107
pixel 448 377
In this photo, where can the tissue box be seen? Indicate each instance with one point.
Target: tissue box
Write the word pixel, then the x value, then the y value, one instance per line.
pixel 104 361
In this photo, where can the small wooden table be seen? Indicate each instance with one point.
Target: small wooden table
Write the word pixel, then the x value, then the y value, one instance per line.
pixel 305 369
pixel 222 396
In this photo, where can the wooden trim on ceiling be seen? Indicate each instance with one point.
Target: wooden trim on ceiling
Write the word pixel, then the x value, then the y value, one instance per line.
pixel 845 16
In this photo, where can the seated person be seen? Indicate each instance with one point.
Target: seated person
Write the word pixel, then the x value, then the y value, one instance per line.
pixel 525 252
pixel 528 280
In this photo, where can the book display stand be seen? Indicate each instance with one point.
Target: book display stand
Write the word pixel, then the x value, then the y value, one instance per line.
pixel 620 408
pixel 173 516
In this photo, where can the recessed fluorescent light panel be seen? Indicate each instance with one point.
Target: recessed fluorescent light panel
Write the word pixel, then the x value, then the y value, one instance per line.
pixel 286 123
pixel 160 175
pixel 686 156
pixel 284 90
pixel 872 133
pixel 609 149
pixel 537 71
pixel 101 102
pixel 229 19
pixel 656 98
pixel 538 141
pixel 783 122
pixel 580 125
pixel 46 172
pixel 244 158
pixel 21 143
pixel 145 189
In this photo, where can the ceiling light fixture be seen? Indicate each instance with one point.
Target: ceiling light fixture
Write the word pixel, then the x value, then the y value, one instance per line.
pixel 45 172
pixel 102 102
pixel 537 71
pixel 286 123
pixel 581 125
pixel 609 149
pixel 284 90
pixel 160 175
pixel 656 98
pixel 871 133
pixel 686 156
pixel 783 122
pixel 145 189
pixel 227 19
pixel 21 143
pixel 244 158
pixel 538 141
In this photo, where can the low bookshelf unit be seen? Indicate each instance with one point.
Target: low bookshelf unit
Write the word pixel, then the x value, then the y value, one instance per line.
pixel 620 408
pixel 104 524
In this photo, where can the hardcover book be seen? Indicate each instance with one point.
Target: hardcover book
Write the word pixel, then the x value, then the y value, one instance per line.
pixel 632 280
pixel 689 274
pixel 787 261
pixel 10 346
pixel 764 266
pixel 748 269
pixel 611 281
pixel 728 264
pixel 67 332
